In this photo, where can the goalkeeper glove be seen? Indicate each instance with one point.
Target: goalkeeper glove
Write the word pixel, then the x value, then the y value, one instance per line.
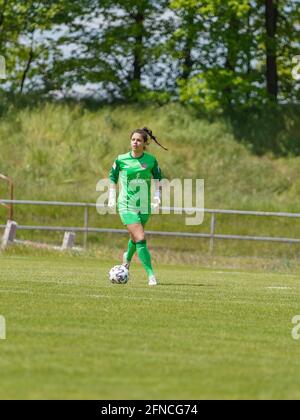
pixel 112 197
pixel 156 201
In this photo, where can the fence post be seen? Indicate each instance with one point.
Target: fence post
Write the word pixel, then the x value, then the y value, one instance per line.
pixel 86 226
pixel 11 207
pixel 11 191
pixel 68 241
pixel 9 234
pixel 212 232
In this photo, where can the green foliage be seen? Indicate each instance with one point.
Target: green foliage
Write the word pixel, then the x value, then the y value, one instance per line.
pixel 118 43
pixel 229 68
pixel 211 54
pixel 24 43
pixel 213 91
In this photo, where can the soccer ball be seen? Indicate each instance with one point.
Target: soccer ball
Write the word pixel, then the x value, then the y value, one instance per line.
pixel 119 274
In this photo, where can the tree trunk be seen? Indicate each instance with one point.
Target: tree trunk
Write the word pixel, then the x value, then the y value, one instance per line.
pixel 271 48
pixel 138 49
pixel 232 52
pixel 2 14
pixel 232 47
pixel 189 43
pixel 27 68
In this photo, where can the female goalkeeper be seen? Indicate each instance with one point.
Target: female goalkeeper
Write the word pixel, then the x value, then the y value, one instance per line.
pixel 135 169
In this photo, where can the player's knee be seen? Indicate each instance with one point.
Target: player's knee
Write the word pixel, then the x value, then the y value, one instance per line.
pixel 139 237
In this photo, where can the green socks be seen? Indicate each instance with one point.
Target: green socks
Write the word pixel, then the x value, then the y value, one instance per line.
pixel 145 257
pixel 131 250
pixel 143 253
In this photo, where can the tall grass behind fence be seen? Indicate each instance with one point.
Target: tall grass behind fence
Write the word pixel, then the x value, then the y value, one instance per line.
pixel 59 152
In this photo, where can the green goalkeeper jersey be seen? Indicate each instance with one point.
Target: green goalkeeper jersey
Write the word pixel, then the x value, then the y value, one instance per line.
pixel 135 176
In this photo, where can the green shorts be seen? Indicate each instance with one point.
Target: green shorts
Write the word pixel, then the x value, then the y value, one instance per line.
pixel 129 218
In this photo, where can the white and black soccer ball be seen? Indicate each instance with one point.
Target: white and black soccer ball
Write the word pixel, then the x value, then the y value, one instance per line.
pixel 119 274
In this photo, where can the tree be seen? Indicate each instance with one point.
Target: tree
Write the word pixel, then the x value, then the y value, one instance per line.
pixel 288 46
pixel 23 42
pixel 271 11
pixel 116 47
pixel 222 46
pixel 246 59
pixel 213 54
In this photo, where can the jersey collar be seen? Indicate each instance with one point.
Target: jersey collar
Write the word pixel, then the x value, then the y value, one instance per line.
pixel 136 157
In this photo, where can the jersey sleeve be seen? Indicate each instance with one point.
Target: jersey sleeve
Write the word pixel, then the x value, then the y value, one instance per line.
pixel 114 172
pixel 156 171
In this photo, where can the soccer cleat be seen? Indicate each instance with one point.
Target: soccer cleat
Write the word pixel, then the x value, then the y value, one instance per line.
pixel 152 281
pixel 125 262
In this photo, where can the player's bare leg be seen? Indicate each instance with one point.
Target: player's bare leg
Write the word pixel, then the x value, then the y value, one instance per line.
pixel 137 233
pixel 127 256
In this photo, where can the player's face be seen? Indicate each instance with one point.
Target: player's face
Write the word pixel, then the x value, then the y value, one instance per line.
pixel 137 143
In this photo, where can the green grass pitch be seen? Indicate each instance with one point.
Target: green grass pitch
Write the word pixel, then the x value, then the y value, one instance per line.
pixel 200 334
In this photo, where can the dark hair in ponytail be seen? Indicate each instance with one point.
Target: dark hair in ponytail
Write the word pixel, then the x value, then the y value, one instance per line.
pixel 145 132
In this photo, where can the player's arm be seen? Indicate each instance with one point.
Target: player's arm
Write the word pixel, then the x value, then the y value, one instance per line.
pixel 114 178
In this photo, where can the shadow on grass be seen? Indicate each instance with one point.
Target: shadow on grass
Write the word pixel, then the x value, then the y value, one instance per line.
pixel 274 129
